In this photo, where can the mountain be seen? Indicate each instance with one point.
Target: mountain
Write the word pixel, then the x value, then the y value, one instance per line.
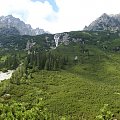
pixel 9 31
pixel 10 22
pixel 105 22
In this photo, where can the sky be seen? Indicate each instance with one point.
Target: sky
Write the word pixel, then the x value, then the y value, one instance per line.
pixel 58 16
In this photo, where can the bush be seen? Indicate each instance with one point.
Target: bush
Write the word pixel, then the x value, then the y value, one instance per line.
pixel 105 114
pixel 4 70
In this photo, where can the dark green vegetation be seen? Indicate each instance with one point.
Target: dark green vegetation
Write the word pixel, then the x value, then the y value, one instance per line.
pixel 71 82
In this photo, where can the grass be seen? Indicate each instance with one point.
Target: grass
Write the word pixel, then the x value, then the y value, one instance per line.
pixel 78 92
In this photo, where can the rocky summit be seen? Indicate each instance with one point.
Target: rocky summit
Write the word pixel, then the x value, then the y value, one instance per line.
pixel 8 23
pixel 105 22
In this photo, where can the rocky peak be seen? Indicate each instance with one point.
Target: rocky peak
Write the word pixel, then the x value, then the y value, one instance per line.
pixel 104 15
pixel 24 29
pixel 105 22
pixel 9 17
pixel 104 18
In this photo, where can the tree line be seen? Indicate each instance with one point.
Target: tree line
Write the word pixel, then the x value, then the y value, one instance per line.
pixel 35 61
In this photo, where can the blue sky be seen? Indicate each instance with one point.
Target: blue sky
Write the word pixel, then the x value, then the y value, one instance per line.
pixel 58 16
pixel 52 2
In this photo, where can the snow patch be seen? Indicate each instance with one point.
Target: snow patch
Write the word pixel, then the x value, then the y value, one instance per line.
pixel 6 75
pixel 56 38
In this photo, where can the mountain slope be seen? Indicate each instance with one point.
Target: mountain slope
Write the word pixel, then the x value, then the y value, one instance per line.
pixel 105 22
pixel 77 91
pixel 24 29
pixel 9 31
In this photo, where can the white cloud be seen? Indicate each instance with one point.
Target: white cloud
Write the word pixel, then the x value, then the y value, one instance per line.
pixel 36 13
pixel 75 14
pixel 72 14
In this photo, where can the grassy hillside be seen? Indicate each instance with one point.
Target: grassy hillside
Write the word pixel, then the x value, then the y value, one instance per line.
pixel 66 94
pixel 80 90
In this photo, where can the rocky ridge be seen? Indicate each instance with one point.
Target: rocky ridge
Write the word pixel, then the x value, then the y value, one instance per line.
pixel 9 22
pixel 105 22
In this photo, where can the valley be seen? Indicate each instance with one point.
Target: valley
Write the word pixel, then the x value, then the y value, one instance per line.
pixel 64 76
pixel 68 79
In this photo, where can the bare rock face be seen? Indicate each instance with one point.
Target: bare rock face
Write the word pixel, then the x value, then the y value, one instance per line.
pixel 66 39
pixel 61 38
pixel 117 16
pixel 105 22
pixel 9 22
pixel 9 31
pixel 30 44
